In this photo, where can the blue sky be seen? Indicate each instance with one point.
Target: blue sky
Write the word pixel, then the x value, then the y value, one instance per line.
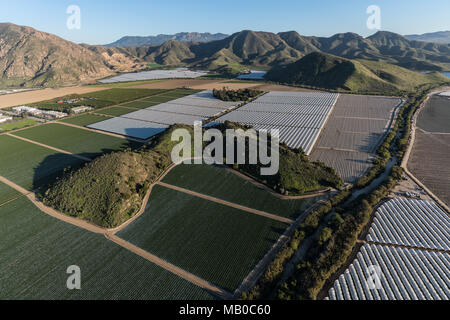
pixel 104 21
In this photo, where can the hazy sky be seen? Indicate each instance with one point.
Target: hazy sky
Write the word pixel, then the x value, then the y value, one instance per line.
pixel 104 21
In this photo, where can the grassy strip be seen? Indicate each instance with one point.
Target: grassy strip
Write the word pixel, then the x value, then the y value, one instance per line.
pixel 18 125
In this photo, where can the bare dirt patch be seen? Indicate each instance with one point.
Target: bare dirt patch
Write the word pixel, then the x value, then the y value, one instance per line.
pixel 10 100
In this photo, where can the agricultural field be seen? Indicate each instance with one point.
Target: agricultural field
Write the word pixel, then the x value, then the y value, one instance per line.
pixel 18 125
pixel 97 99
pixel 155 75
pixel 31 166
pixel 299 116
pixel 414 223
pixel 84 119
pixel 429 162
pixel 417 270
pixel 74 140
pixel 218 243
pixel 406 274
pixel 350 165
pixel 7 194
pixel 435 117
pixel 353 132
pixel 40 248
pixel 223 184
pixel 182 106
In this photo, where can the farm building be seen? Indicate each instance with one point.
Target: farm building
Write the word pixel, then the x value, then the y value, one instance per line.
pixel 5 118
pixel 80 109
pixel 39 113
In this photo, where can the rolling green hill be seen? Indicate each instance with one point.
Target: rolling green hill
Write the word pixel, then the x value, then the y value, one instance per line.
pixel 248 49
pixel 326 71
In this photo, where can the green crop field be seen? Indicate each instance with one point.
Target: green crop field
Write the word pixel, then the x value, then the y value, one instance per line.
pixel 30 165
pixel 223 184
pixel 119 95
pixel 18 125
pixel 7 194
pixel 115 111
pixel 216 242
pixel 85 119
pixel 79 141
pixel 37 249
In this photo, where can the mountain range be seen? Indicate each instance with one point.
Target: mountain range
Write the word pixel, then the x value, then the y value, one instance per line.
pixel 130 41
pixel 266 49
pixel 438 37
pixel 32 58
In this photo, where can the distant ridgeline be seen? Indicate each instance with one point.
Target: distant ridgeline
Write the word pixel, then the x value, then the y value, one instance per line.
pixel 61 62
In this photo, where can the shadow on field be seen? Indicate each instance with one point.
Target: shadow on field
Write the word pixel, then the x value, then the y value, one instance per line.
pixel 57 165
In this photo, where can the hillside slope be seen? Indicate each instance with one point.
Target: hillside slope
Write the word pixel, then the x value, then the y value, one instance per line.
pixel 251 49
pixel 32 58
pixel 326 71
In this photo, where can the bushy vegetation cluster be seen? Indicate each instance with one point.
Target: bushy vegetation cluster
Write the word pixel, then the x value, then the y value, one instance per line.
pixel 333 244
pixel 296 174
pixel 226 94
